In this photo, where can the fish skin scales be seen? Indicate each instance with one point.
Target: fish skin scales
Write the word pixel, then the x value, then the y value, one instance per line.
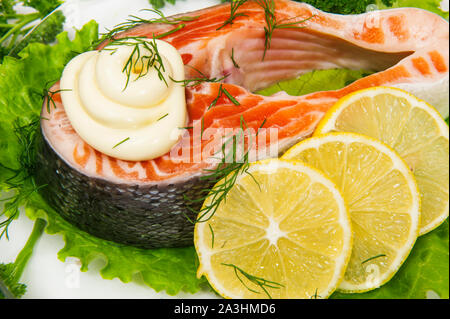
pixel 147 216
pixel 406 48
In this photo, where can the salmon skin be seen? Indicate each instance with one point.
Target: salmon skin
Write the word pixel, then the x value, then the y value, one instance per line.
pixel 144 203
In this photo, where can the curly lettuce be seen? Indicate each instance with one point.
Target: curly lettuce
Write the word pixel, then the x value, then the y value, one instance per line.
pixel 166 269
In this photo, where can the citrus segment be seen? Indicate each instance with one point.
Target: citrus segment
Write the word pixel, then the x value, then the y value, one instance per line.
pixel 382 197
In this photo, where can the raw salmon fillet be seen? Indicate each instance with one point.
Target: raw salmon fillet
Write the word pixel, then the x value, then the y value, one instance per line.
pixel 408 48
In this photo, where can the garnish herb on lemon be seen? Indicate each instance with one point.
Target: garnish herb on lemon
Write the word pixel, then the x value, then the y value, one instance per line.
pixel 383 202
pixel 410 126
pixel 283 232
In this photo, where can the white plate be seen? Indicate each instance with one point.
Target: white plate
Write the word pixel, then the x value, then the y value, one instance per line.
pixel 45 275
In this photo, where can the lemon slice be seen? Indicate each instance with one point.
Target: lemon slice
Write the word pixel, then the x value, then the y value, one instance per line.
pixel 382 198
pixel 411 127
pixel 283 232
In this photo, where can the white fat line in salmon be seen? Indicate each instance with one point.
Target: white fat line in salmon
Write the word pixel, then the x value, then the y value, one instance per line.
pixel 228 145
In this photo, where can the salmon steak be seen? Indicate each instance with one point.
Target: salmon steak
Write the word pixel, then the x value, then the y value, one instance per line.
pixel 144 203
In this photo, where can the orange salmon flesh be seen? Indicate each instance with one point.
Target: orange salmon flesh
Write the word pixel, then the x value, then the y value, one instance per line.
pixel 406 48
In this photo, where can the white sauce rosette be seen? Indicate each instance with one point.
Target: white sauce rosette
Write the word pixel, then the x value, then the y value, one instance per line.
pixel 133 115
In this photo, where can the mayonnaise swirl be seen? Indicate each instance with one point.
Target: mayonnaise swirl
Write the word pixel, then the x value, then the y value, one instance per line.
pixel 105 110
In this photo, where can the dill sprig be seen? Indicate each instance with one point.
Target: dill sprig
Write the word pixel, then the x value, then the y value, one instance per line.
pixel 219 95
pixel 272 24
pixel 316 295
pixel 134 21
pixel 203 127
pixel 269 15
pixel 222 91
pixel 21 180
pixel 201 78
pixel 233 59
pixel 47 95
pixel 229 96
pixel 234 6
pixel 164 116
pixel 212 235
pixel 143 57
pixel 121 142
pixel 138 62
pixel 261 282
pixel 230 167
pixel 372 258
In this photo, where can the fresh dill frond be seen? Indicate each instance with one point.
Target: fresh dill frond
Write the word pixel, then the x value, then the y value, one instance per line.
pixel 143 57
pixel 219 95
pixel 138 62
pixel 234 6
pixel 194 81
pixel 13 204
pixel 315 296
pixel 165 34
pixel 233 59
pixel 186 128
pixel 121 142
pixel 134 21
pixel 47 95
pixel 21 180
pixel 272 24
pixel 203 127
pixel 212 235
pixel 222 91
pixel 167 114
pixel 269 15
pixel 372 258
pixel 231 97
pixel 231 166
pixel 158 64
pixel 264 284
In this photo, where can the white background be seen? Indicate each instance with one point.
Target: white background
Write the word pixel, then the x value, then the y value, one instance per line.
pixel 45 275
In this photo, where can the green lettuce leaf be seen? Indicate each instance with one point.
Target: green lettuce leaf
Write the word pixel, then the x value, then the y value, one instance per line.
pixel 430 5
pixel 314 81
pixel 23 80
pixel 169 269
